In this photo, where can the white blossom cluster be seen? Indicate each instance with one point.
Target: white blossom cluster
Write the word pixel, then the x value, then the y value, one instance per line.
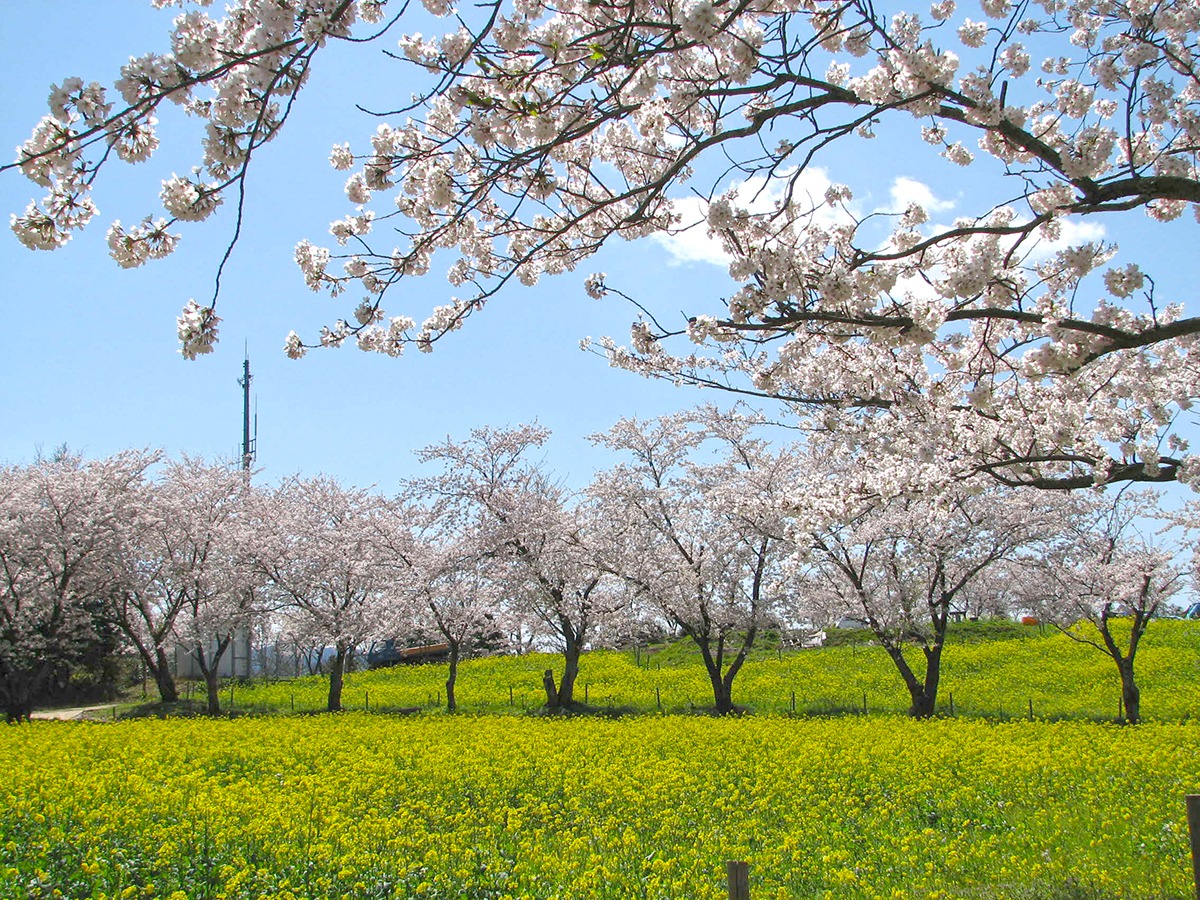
pixel 237 74
pixel 1000 342
pixel 148 240
pixel 197 327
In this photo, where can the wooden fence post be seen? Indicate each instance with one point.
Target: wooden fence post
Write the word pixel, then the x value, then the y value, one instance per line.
pixel 737 877
pixel 1193 818
pixel 658 698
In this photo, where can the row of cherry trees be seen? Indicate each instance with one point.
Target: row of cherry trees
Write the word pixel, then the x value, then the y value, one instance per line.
pixel 703 529
pixel 1010 343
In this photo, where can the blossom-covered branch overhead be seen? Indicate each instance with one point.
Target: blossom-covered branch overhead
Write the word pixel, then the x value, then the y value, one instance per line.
pixel 999 343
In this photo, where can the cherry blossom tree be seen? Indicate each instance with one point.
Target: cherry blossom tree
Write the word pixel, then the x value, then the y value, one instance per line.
pixel 61 521
pixel 908 565
pixel 702 542
pixel 461 598
pixel 445 573
pixel 144 606
pixel 1103 579
pixel 185 575
pixel 1008 341
pixel 208 509
pixel 321 547
pixel 516 515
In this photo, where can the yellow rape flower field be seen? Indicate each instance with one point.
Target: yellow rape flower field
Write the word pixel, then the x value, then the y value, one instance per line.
pixel 372 806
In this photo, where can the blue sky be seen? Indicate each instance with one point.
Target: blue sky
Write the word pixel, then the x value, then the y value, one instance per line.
pixel 88 352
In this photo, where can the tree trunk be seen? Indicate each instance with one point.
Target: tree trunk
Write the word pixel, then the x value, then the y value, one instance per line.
pixel 564 694
pixel 922 705
pixel 15 712
pixel 724 699
pixel 337 671
pixel 211 670
pixel 313 660
pixel 164 681
pixel 551 689
pixel 722 693
pixel 1131 694
pixel 451 702
pixel 212 685
pixel 17 706
pixel 159 668
pixel 924 701
pixel 19 687
pixel 722 687
pixel 923 694
pixel 566 687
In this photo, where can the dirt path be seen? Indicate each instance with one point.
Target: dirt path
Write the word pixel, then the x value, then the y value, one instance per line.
pixel 71 714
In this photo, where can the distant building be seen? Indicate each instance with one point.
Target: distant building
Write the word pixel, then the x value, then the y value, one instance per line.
pixel 235 663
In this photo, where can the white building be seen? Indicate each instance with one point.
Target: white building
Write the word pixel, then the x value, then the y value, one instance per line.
pixel 235 663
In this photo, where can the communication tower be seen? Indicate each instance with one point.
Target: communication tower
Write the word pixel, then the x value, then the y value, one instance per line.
pixel 249 438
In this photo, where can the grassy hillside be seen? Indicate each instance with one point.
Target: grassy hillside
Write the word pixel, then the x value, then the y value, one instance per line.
pixel 989 671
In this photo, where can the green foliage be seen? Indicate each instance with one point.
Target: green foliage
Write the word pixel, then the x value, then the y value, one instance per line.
pixel 957 633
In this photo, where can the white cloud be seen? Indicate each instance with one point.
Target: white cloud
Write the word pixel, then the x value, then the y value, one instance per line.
pixel 906 191
pixel 690 241
pixel 1072 232
pixel 915 287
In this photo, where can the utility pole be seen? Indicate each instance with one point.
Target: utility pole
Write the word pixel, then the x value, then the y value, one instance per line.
pixel 248 443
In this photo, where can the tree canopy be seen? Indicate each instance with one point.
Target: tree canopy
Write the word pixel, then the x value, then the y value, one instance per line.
pixel 1003 342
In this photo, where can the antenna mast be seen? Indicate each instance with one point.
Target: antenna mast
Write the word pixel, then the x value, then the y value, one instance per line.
pixel 249 444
